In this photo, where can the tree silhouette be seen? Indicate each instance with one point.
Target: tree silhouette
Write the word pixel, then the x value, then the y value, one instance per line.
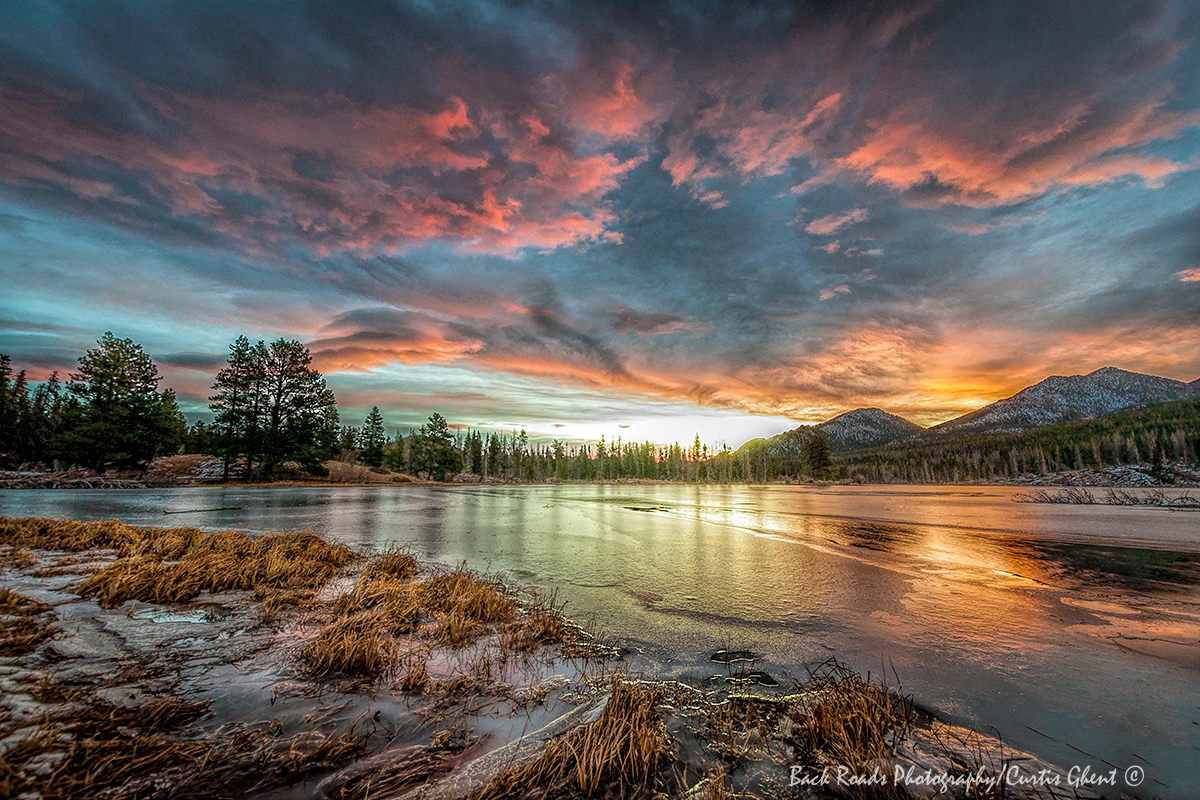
pixel 820 461
pixel 372 438
pixel 115 415
pixel 271 405
pixel 431 450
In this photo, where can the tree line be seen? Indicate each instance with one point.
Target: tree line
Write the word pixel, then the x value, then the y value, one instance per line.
pixel 110 413
pixel 271 406
pixel 1154 436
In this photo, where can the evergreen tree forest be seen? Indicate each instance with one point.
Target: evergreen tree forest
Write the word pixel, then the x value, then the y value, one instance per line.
pixel 271 406
pixel 1154 437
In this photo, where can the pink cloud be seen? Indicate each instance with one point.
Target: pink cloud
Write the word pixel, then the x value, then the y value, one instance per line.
pixel 832 223
pixel 324 170
pixel 914 148
pixel 829 294
pixel 1189 275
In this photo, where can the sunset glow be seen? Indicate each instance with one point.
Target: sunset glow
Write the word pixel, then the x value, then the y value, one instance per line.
pixel 608 219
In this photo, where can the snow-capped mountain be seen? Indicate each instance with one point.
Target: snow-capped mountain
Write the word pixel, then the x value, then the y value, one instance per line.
pixel 1064 398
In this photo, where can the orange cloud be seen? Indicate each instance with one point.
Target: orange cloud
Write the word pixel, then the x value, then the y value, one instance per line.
pixel 1189 275
pixel 911 151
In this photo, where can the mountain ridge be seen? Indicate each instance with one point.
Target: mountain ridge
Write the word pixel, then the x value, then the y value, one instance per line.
pixel 1063 398
pixel 1050 401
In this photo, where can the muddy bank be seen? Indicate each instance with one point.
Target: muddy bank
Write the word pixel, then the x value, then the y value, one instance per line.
pixel 175 663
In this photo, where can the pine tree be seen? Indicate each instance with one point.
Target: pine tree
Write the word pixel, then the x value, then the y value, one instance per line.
pixel 272 406
pixel 475 448
pixel 432 451
pixel 372 438
pixel 47 414
pixel 820 461
pixel 493 456
pixel 116 416
pixel 23 435
pixel 237 400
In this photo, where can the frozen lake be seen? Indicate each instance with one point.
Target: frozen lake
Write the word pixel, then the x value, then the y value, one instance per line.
pixel 1065 628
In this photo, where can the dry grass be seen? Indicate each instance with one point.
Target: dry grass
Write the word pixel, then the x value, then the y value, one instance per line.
pixel 416 675
pixel 164 565
pixel 385 603
pixel 407 769
pixel 740 728
pixel 456 629
pixel 620 752
pixel 842 718
pixel 474 598
pixel 391 564
pixel 540 624
pixel 849 717
pixel 173 565
pixel 90 746
pixel 85 747
pixel 354 645
pixel 16 557
pixel 379 590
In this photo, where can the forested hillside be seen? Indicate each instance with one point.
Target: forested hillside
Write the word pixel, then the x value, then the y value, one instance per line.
pixel 1154 435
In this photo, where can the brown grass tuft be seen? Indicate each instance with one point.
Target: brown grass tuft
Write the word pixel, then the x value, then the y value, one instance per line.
pixel 351 646
pixel 176 564
pixel 398 597
pixel 846 719
pixel 539 625
pixel 416 675
pixel 475 598
pixel 392 564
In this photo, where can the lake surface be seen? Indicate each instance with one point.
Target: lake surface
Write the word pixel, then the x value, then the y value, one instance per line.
pixel 1074 631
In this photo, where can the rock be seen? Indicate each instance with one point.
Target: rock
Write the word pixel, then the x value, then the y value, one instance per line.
pixel 474 776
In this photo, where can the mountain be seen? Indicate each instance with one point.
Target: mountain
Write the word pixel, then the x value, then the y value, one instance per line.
pixel 854 430
pixel 1065 398
pixel 866 427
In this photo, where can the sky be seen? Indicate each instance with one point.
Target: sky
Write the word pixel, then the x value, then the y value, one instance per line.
pixel 646 220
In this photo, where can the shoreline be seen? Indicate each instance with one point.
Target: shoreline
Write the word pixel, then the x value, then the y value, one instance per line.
pixel 1044 482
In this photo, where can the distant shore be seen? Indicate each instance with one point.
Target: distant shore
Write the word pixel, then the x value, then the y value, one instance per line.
pixel 1126 478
